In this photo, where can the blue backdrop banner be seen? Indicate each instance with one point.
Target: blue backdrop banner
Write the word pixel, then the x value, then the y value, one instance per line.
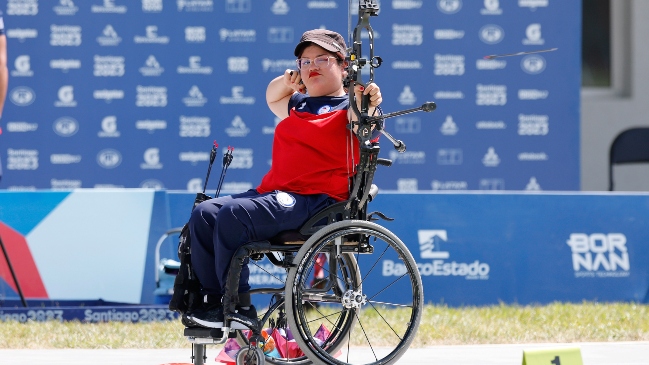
pixel 116 93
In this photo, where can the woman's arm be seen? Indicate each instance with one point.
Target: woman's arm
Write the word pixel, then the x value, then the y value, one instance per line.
pixel 280 90
pixel 375 99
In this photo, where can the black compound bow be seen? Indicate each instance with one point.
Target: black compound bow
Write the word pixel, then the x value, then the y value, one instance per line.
pixel 365 123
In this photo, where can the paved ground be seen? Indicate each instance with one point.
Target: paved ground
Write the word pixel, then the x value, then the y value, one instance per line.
pixel 609 353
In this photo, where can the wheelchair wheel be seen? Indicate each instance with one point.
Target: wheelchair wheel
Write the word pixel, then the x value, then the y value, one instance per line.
pixel 276 317
pixel 385 310
pixel 250 356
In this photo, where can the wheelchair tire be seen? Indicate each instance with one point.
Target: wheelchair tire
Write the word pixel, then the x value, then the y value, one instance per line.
pixel 277 318
pixel 386 310
pixel 250 356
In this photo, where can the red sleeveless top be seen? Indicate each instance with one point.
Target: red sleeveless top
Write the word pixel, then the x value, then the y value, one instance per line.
pixel 312 154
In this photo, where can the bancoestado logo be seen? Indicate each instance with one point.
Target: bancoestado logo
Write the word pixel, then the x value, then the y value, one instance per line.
pixel 431 244
pixel 599 255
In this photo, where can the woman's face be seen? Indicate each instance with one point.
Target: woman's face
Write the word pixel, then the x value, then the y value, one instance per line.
pixel 322 80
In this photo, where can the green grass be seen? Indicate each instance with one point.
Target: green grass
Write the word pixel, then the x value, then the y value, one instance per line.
pixel 440 325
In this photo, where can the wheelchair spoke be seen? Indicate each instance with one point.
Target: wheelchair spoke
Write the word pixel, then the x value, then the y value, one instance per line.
pixel 389 285
pixel 367 274
pixel 390 304
pixel 367 338
pixel 384 320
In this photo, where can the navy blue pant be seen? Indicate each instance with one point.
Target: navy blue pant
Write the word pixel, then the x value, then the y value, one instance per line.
pixel 218 227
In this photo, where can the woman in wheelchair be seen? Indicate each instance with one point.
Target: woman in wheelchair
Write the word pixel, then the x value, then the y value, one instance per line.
pixel 313 159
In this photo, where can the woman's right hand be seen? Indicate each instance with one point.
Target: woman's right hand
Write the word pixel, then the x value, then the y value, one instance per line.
pixel 293 81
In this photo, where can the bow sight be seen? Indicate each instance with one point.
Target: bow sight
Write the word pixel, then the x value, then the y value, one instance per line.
pixel 368 151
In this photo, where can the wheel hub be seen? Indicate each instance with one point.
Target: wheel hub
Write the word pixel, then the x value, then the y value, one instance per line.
pixel 353 299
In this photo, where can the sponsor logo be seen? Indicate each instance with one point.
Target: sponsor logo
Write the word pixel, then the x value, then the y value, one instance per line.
pixel 237 35
pixel 532 156
pixel 449 128
pixel 407 185
pixel 202 6
pixel 491 159
pixel 450 156
pixel 109 66
pixel 407 65
pixel 491 7
pixel 237 65
pixel 151 36
pixel 280 7
pixel 151 67
pixel 533 185
pixel 321 4
pixel 237 97
pixel 152 184
pixel 407 97
pixel 66 127
pixel 448 34
pixel 151 96
pixel 193 157
pixel 237 128
pixel 449 185
pixel 237 187
pixel 280 35
pixel 533 35
pixel 406 4
pixel 109 37
pixel 21 188
pixel 109 158
pixel 152 6
pixel 490 64
pixel 22 7
pixel 449 65
pixel 65 65
pixel 449 95
pixel 532 94
pixel 66 184
pixel 195 34
pixel 275 66
pixel 64 159
pixel 491 184
pixel 599 255
pixel 449 6
pixel 151 125
pixel 22 34
pixel 408 125
pixel 195 127
pixel 194 97
pixel 491 34
pixel 194 67
pixel 22 67
pixel 108 95
pixel 533 4
pixel 108 7
pixel 151 159
pixel 109 127
pixel 533 125
pixel 408 157
pixel 22 96
pixel 65 7
pixel 195 185
pixel 20 127
pixel 270 130
pixel 407 35
pixel 533 64
pixel 66 97
pixel 490 124
pixel 489 95
pixel 65 35
pixel 22 159
pixel 243 159
pixel 431 246
pixel 238 6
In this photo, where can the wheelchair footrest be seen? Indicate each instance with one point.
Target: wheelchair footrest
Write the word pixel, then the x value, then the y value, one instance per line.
pixel 201 332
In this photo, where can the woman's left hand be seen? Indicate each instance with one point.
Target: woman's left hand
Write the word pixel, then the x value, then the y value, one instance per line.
pixel 372 90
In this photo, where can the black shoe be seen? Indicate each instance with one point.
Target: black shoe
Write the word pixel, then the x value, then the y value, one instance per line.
pixel 245 317
pixel 208 318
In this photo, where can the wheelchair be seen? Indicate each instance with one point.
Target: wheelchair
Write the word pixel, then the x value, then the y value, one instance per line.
pixel 352 294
